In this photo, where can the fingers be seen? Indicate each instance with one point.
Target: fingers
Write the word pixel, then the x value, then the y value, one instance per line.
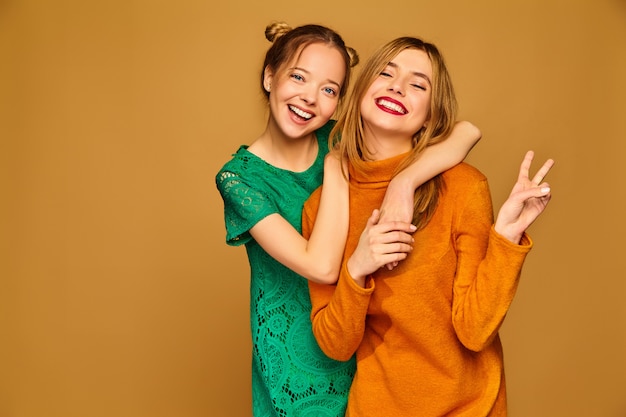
pixel 393 247
pixel 534 192
pixel 393 259
pixel 543 171
pixel 392 265
pixel 394 236
pixel 386 227
pixel 397 236
pixel 390 248
pixel 525 166
pixel 393 241
pixel 525 169
pixel 374 218
pixel 383 240
pixel 391 254
pixel 380 244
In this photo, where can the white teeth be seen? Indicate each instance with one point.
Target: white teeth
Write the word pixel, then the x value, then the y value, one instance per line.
pixel 300 113
pixel 391 106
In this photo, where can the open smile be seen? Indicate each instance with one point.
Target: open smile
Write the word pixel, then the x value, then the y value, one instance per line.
pixel 300 113
pixel 391 106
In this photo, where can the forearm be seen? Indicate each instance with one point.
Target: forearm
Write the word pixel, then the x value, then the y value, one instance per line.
pixel 440 157
pixel 328 237
pixel 398 201
pixel 487 270
pixel 480 308
pixel 316 253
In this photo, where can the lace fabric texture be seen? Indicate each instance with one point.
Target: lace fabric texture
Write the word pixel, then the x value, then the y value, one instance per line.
pixel 291 376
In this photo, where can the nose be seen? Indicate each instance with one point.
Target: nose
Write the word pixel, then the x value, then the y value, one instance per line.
pixel 396 87
pixel 309 94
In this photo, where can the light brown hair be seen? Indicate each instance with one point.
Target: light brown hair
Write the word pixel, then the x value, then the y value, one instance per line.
pixel 288 43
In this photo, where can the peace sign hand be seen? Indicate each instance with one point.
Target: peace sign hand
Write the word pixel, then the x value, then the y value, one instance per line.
pixel 527 201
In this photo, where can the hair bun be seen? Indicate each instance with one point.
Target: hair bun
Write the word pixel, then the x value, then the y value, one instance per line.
pixel 275 30
pixel 354 56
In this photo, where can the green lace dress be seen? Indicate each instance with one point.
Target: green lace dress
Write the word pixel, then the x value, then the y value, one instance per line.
pixel 291 376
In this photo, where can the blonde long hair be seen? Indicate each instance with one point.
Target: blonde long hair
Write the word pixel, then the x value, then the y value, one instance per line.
pixel 348 138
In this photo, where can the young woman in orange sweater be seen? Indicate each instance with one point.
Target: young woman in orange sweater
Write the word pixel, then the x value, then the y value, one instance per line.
pixel 426 332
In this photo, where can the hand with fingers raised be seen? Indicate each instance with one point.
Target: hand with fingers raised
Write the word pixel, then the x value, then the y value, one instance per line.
pixel 527 201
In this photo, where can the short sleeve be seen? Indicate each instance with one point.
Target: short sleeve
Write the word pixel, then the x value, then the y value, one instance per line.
pixel 244 206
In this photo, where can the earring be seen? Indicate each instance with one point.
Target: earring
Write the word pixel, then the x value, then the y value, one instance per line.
pixel 268 87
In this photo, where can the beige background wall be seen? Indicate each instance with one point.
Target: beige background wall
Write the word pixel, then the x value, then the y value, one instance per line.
pixel 118 296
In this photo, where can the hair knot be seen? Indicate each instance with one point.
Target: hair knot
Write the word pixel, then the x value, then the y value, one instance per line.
pixel 275 30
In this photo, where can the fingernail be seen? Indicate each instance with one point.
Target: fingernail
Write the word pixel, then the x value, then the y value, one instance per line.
pixel 413 227
pixel 545 190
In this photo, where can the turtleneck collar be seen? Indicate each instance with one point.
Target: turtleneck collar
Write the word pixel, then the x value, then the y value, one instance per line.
pixel 377 172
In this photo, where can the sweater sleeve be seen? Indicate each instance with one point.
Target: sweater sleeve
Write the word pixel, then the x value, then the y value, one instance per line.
pixel 338 314
pixel 488 271
pixel 338 310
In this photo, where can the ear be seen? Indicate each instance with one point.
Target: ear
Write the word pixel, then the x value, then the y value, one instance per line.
pixel 267 78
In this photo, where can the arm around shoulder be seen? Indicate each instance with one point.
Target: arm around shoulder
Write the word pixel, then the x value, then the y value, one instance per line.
pixel 398 201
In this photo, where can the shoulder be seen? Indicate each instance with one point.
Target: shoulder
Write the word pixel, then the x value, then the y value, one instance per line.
pixel 464 172
pixel 240 162
pixel 465 180
pixel 238 158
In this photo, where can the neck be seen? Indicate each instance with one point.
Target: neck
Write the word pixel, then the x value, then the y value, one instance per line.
pixel 292 154
pixel 386 146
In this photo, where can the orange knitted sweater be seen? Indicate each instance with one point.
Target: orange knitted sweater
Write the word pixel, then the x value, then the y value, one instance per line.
pixel 426 333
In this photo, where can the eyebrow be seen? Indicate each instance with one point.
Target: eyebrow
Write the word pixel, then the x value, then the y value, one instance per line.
pixel 308 72
pixel 416 73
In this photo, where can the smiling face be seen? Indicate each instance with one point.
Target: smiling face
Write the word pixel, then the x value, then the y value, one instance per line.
pixel 305 92
pixel 397 103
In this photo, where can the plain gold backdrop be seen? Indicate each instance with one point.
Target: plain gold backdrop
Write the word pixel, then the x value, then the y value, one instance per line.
pixel 118 295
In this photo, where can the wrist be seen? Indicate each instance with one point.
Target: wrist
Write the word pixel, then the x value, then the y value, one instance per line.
pixel 511 236
pixel 356 276
pixel 403 182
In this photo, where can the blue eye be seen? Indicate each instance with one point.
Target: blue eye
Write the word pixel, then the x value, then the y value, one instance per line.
pixel 385 74
pixel 297 77
pixel 330 91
